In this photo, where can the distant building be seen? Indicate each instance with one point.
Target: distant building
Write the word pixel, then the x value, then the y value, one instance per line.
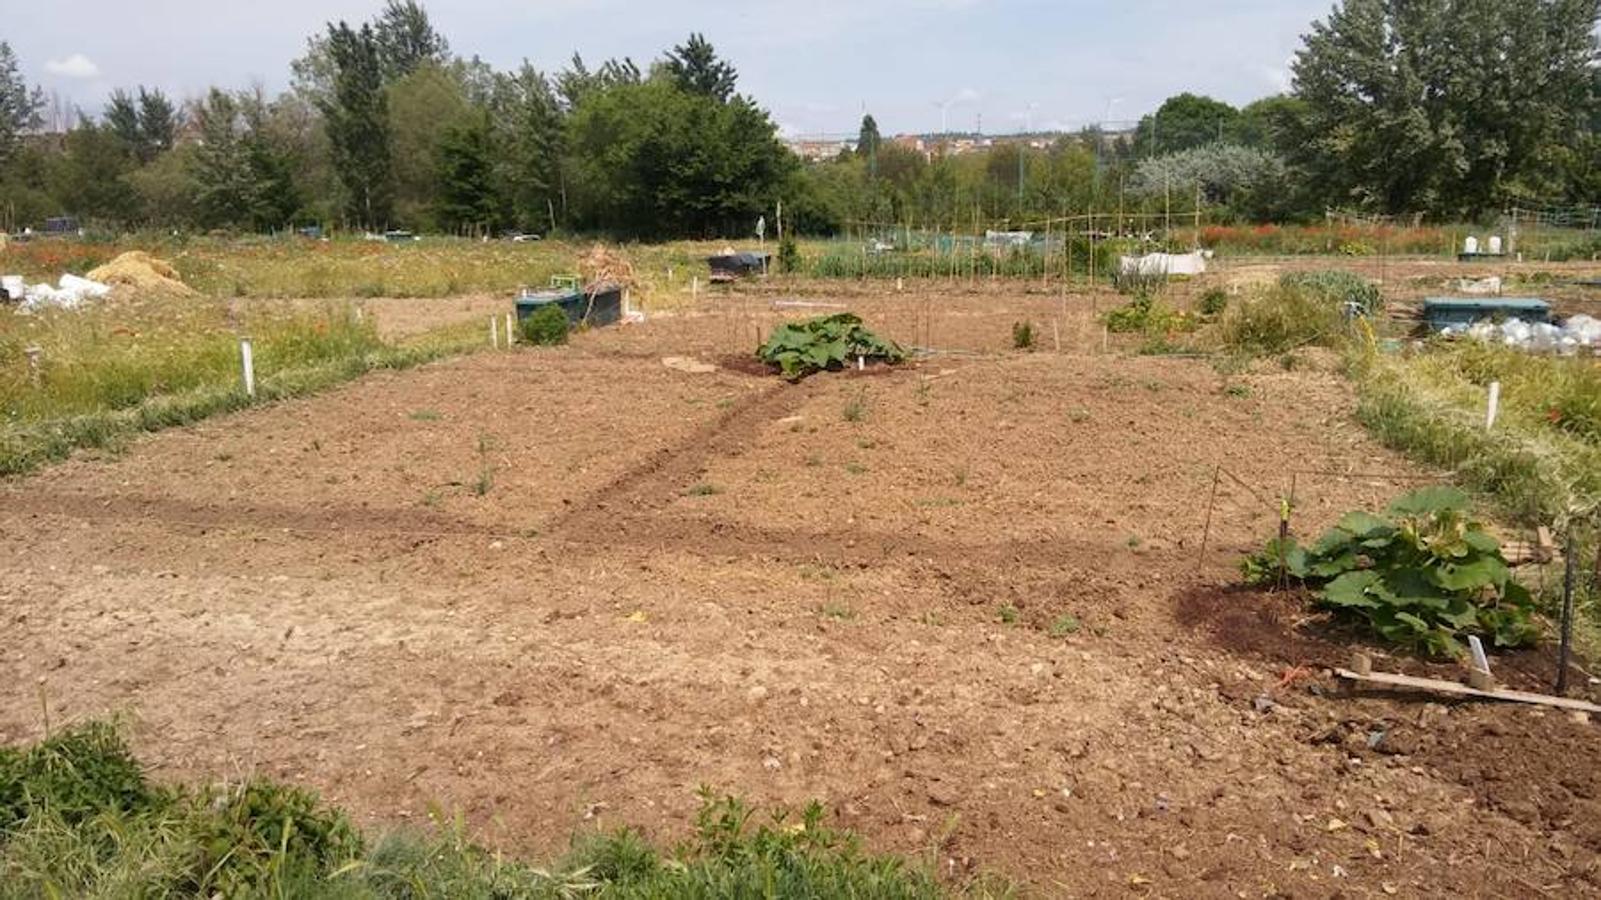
pixel 818 149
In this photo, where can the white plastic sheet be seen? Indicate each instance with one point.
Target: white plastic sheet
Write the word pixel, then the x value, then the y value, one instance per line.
pixel 71 292
pixel 1579 334
pixel 1193 263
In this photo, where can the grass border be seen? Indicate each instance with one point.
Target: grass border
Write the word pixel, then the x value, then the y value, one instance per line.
pixel 25 448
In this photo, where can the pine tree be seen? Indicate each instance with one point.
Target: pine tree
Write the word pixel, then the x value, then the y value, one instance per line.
pixel 407 39
pixel 158 123
pixel 122 119
pixel 696 68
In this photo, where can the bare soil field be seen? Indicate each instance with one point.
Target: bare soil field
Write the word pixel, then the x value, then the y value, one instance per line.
pixel 964 602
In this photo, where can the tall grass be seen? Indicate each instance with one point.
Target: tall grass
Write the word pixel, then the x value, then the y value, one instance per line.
pixel 102 383
pixel 79 819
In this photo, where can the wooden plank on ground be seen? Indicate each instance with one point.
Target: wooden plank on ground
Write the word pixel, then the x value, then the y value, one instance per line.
pixel 1440 686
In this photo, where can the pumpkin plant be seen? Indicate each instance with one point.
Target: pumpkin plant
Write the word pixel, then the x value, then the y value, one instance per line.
pixel 1424 574
pixel 827 342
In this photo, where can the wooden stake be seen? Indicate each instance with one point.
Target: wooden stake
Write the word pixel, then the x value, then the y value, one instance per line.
pixel 494 333
pixel 1056 335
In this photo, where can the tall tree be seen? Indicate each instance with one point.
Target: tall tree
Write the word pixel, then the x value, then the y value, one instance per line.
pixel 528 141
pixel 1184 121
pixel 19 105
pixel 89 180
pixel 407 39
pixel 158 123
pixel 357 119
pixel 122 118
pixel 577 81
pixel 422 107
pixel 1447 107
pixel 655 160
pixel 227 188
pixel 696 68
pixel 272 164
pixel 147 123
pixel 868 139
pixel 466 177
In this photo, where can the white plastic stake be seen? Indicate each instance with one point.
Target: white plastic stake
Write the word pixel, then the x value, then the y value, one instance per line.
pixel 494 333
pixel 247 360
pixel 511 334
pixel 694 286
pixel 1476 647
pixel 1492 408
pixel 899 284
pixel 35 370
pixel 861 363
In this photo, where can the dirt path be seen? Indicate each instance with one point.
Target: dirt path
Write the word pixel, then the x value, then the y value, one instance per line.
pixel 562 589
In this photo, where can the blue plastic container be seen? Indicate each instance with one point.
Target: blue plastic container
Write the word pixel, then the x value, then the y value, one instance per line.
pixel 606 308
pixel 1439 312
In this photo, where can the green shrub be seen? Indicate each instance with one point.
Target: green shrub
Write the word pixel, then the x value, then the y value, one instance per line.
pixel 1144 314
pixel 1276 320
pixel 1139 284
pixel 1423 575
pixel 1023 335
pixel 545 326
pixel 1213 302
pixel 81 822
pixel 1341 289
pixel 789 258
pixel 827 342
pixel 75 774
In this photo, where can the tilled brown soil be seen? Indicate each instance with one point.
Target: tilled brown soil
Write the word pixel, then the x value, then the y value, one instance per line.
pixel 963 603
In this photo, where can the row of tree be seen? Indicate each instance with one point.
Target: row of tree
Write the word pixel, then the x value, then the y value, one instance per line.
pixel 1451 108
pixel 385 127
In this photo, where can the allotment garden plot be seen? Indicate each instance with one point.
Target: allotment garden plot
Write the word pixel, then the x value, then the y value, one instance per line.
pixel 964 602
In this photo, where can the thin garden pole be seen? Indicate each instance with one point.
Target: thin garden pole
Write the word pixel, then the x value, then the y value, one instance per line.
pixel 1206 530
pixel 1566 648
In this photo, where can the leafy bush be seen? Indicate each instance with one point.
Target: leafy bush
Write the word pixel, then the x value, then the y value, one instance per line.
pixel 1146 315
pixel 545 326
pixel 827 342
pixel 1278 319
pixel 1424 575
pixel 1342 289
pixel 1213 302
pixel 1023 335
pixel 75 774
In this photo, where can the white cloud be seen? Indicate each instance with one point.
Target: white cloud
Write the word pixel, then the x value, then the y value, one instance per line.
pixel 75 66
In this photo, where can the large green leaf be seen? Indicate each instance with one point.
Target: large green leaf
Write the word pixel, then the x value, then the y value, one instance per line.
pixel 1483 572
pixel 1364 525
pixel 1429 501
pixel 1350 590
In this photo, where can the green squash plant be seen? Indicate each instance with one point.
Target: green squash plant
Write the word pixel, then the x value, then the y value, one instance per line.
pixel 1424 575
pixel 828 342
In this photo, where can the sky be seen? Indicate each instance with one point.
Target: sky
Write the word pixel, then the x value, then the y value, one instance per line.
pixel 817 65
